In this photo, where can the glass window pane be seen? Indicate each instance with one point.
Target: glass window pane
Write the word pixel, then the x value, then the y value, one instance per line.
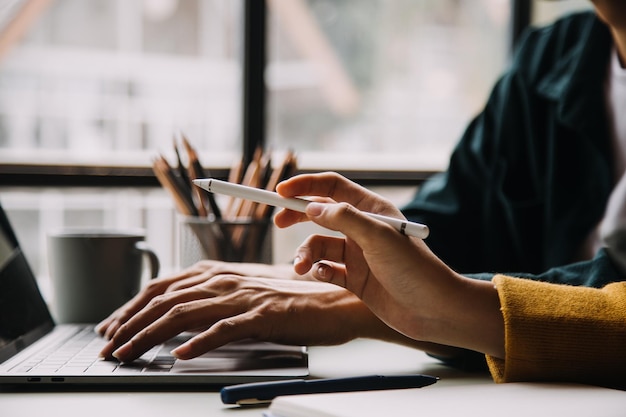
pixel 380 84
pixel 111 81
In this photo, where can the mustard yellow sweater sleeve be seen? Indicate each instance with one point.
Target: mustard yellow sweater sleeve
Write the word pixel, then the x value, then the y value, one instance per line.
pixel 561 333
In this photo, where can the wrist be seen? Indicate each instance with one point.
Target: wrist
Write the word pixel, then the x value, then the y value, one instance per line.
pixel 471 318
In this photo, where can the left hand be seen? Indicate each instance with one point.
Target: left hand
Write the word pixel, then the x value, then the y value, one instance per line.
pixel 398 277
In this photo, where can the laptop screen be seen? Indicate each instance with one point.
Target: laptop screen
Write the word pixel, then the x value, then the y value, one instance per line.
pixel 24 316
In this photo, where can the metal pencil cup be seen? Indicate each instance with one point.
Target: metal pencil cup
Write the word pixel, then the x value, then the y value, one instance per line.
pixel 232 241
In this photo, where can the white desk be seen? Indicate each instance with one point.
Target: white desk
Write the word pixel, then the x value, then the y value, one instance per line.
pixel 457 393
pixel 359 357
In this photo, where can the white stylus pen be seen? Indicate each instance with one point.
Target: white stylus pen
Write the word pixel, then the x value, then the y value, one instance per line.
pixel 297 204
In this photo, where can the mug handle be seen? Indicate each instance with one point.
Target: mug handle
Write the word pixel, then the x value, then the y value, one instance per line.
pixel 152 258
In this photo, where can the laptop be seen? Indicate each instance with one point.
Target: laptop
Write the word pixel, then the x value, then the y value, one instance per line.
pixel 36 351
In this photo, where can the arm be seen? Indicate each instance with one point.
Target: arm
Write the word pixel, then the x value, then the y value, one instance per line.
pixel 530 330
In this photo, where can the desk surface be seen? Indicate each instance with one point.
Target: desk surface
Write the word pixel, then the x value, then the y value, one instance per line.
pixel 359 357
pixel 457 393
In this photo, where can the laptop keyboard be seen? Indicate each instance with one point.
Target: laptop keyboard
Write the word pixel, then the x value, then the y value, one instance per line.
pixel 79 355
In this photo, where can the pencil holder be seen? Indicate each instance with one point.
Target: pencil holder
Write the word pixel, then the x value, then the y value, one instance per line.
pixel 202 238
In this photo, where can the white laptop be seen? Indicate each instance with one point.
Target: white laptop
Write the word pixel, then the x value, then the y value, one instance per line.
pixel 36 351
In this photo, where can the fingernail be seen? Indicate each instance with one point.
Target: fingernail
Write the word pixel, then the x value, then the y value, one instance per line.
pixel 314 209
pixel 122 351
pixel 180 351
pixel 111 330
pixel 99 328
pixel 105 352
pixel 323 271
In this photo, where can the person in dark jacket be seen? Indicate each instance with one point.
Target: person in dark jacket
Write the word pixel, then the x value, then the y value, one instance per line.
pixel 531 177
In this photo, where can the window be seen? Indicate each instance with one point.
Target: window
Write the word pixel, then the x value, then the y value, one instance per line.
pixel 107 83
pixel 110 82
pixel 380 84
pixel 373 86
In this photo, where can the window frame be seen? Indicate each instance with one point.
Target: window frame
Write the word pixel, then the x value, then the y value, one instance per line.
pixel 253 124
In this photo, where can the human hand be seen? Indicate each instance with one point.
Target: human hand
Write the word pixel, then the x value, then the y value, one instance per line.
pixel 356 262
pixel 228 308
pixel 398 277
pixel 196 274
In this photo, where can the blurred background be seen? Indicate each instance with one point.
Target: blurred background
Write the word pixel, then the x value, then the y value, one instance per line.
pixel 91 90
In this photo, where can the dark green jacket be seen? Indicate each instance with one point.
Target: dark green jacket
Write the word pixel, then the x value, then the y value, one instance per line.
pixel 532 174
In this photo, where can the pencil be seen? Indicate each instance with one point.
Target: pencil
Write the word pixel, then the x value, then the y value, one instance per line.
pixel 234 177
pixel 196 171
pixel 181 168
pixel 167 178
pixel 250 179
pixel 280 173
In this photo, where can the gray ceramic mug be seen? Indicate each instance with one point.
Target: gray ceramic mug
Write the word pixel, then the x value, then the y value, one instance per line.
pixel 95 271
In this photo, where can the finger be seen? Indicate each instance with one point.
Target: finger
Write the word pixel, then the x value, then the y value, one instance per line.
pixel 326 184
pixel 353 223
pixel 334 186
pixel 331 272
pixel 318 247
pixel 185 279
pixel 157 333
pixel 182 317
pixel 103 327
pixel 154 310
pixel 285 218
pixel 366 288
pixel 231 329
pixel 110 325
pixel 324 256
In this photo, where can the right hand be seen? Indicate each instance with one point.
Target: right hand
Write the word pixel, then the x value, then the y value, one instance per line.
pixel 228 308
pixel 225 305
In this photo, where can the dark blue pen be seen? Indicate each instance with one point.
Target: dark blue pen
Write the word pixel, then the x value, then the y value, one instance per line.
pixel 264 392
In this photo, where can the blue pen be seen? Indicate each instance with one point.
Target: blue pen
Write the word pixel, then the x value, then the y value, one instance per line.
pixel 265 392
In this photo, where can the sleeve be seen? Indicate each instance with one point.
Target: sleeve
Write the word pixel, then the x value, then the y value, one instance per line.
pixel 561 333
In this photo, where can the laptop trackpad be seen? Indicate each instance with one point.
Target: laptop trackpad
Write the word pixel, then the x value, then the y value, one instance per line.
pixel 244 356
